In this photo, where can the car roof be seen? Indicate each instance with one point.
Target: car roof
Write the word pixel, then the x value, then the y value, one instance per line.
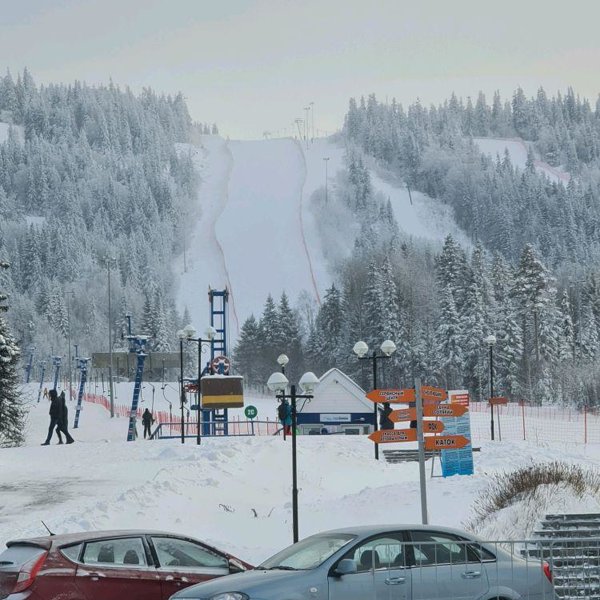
pixel 63 539
pixel 366 530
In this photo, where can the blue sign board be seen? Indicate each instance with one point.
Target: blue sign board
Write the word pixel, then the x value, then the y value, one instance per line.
pixel 457 462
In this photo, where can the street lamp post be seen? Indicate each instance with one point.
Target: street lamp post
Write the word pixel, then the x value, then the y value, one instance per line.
pixel 278 383
pixel 283 360
pixel 491 340
pixel 361 349
pixel 181 335
pixel 188 333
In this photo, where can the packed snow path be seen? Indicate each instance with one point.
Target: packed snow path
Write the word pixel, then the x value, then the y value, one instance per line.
pixel 256 233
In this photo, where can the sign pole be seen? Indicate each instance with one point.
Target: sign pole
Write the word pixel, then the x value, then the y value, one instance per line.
pixel 421 443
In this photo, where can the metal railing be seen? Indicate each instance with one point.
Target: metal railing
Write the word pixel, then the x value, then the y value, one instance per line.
pixel 169 430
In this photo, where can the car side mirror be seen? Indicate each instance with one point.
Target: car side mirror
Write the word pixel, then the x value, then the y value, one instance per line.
pixel 235 566
pixel 346 566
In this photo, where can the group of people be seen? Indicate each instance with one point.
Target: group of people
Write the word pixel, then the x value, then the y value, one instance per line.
pixel 59 417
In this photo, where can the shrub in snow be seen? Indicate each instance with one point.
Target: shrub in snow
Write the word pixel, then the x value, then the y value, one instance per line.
pixel 514 503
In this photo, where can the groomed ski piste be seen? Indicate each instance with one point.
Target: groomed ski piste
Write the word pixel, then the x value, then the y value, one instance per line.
pixel 235 492
pixel 256 233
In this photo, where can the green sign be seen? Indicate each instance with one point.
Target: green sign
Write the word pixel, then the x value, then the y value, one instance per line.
pixel 250 412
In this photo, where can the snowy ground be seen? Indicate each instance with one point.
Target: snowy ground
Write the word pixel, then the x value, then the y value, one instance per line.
pixel 235 492
pixel 255 233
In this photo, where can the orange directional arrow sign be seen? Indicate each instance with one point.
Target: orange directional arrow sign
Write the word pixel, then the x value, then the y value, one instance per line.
pixel 387 436
pixel 433 426
pixel 443 410
pixel 446 442
pixel 433 393
pixel 404 414
pixel 392 396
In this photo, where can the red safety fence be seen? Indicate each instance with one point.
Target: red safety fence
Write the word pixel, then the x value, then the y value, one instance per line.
pixel 237 426
pixel 521 421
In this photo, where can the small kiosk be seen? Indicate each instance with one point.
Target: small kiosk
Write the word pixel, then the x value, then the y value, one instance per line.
pixel 339 406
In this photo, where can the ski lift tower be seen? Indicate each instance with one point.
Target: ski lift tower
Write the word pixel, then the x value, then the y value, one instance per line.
pixel 216 421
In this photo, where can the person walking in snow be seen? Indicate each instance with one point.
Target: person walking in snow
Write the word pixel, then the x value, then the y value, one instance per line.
pixel 54 415
pixel 284 413
pixel 147 421
pixel 384 417
pixel 45 393
pixel 63 420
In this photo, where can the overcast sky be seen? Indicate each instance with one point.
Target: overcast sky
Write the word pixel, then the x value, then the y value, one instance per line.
pixel 253 65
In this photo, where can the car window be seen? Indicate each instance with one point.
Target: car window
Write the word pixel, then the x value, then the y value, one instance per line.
pixel 174 552
pixel 309 552
pixel 72 552
pixel 122 552
pixel 384 552
pixel 437 548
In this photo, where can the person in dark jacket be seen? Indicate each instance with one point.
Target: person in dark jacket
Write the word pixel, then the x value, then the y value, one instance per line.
pixel 147 420
pixel 54 415
pixel 63 419
pixel 384 417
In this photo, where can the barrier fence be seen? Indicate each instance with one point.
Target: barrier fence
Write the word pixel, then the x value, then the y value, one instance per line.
pixel 514 421
pixel 520 421
pixel 172 425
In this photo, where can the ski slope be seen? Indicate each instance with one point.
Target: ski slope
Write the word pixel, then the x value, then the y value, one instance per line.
pixel 236 492
pixel 256 233
pixel 517 150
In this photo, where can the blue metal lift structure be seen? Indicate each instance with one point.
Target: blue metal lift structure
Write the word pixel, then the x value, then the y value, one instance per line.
pixel 216 422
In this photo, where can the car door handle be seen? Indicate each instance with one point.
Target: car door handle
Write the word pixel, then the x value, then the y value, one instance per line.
pixel 395 580
pixel 471 574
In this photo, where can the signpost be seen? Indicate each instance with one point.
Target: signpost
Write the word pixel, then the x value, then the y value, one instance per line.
pixel 388 436
pixel 446 442
pixel 251 412
pixel 433 393
pixel 498 400
pixel 444 410
pixel 392 396
pixel 425 401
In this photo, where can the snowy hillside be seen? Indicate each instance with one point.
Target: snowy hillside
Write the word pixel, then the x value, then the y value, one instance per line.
pixel 256 234
pixel 517 150
pixel 235 492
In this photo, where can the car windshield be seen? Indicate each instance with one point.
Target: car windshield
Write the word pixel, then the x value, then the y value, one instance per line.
pixel 308 553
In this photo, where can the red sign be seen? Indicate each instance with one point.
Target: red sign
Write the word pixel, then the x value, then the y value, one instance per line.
pixel 444 410
pixel 392 396
pixel 388 436
pixel 459 397
pixel 404 414
pixel 432 393
pixel 446 442
pixel 498 400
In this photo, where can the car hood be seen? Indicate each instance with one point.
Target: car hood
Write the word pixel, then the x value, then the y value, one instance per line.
pixel 250 582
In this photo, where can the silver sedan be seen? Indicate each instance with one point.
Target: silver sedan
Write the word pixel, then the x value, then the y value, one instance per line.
pixel 402 562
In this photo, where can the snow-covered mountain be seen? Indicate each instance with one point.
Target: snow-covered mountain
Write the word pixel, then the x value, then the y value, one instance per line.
pixel 256 233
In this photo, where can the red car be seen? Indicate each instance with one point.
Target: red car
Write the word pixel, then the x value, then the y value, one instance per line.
pixel 115 565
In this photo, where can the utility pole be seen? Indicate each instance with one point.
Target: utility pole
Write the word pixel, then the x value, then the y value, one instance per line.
pixel 312 108
pixel 110 366
pixel 306 109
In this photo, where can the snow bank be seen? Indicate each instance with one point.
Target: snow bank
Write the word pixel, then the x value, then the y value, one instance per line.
pixel 234 492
